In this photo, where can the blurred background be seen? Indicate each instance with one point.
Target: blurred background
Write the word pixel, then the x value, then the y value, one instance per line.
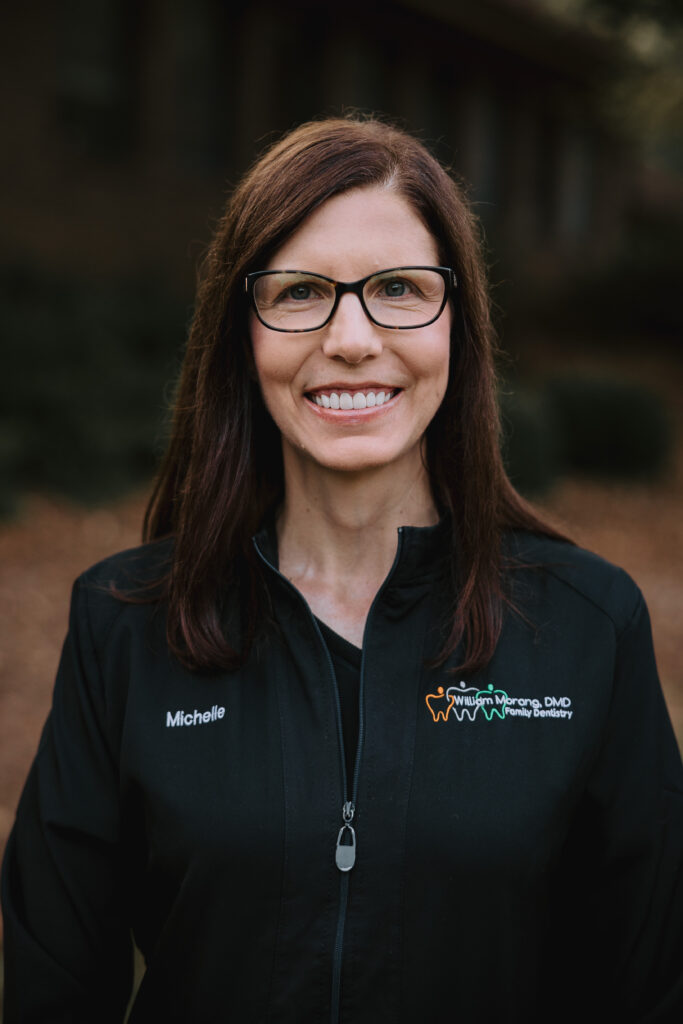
pixel 127 121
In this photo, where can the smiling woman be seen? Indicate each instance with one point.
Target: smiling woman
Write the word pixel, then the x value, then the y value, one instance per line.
pixel 353 736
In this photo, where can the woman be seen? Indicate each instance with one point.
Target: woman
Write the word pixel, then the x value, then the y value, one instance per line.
pixel 355 736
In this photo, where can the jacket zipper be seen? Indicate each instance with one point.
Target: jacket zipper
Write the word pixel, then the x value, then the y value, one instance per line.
pixel 345 853
pixel 343 859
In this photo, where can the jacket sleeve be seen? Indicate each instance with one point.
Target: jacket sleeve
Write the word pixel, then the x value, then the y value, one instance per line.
pixel 67 941
pixel 635 796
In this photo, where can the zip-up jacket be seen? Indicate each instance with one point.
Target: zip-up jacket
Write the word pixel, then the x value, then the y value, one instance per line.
pixel 515 836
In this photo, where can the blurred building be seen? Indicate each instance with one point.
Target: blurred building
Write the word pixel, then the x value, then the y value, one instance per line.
pixel 126 120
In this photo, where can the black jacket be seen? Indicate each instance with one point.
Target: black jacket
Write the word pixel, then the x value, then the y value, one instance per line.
pixel 519 834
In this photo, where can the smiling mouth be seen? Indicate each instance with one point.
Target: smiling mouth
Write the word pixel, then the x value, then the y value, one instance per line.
pixel 366 398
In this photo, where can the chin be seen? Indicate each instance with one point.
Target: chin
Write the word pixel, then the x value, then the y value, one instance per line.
pixel 359 458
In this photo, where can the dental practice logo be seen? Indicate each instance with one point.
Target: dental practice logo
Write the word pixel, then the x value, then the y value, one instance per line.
pixel 464 703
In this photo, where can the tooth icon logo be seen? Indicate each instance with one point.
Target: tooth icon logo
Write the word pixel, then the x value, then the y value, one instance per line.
pixel 435 702
pixel 493 702
pixel 465 703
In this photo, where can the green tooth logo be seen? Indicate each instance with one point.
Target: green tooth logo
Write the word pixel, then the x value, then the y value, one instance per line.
pixel 492 702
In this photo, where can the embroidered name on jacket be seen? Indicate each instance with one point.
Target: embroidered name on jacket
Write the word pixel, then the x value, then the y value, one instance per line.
pixel 193 717
pixel 464 703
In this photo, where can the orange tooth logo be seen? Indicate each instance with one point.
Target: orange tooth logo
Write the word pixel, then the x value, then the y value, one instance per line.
pixel 438 710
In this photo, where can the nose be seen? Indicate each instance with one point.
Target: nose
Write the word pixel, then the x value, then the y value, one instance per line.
pixel 350 335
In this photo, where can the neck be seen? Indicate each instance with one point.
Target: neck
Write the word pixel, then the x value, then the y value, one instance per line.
pixel 341 527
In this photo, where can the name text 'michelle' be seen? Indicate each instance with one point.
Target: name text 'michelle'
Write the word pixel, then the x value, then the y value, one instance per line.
pixel 193 717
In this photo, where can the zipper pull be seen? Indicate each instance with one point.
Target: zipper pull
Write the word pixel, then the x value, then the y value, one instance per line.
pixel 345 855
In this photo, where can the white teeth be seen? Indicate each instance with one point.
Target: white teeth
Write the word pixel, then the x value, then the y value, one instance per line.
pixel 345 401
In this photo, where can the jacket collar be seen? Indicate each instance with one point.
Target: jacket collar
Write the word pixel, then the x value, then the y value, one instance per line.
pixel 422 551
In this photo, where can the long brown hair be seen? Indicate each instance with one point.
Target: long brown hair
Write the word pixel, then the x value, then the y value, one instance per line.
pixel 222 471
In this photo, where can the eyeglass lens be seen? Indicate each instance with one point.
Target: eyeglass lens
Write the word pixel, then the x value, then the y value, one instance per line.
pixel 293 300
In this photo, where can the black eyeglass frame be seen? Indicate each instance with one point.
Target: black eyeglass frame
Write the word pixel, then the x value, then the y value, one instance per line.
pixel 355 287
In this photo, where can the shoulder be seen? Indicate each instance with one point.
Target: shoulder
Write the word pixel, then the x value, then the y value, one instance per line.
pixel 132 569
pixel 574 576
pixel 126 584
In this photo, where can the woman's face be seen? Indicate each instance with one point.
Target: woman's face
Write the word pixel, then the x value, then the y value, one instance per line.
pixel 350 236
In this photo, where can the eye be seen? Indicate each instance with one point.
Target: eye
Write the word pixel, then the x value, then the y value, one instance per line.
pixel 395 289
pixel 299 292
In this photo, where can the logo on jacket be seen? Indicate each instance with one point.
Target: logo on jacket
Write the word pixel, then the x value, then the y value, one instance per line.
pixel 463 703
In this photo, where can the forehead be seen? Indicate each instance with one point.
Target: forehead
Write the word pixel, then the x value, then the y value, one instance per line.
pixel 357 232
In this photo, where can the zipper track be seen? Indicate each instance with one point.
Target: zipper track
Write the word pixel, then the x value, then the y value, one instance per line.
pixel 337 703
pixel 335 1004
pixel 338 950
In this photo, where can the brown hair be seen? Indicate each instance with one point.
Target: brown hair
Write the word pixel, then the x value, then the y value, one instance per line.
pixel 222 471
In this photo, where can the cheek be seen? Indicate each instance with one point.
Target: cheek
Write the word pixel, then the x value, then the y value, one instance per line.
pixel 432 360
pixel 280 360
pixel 271 372
pixel 432 369
pixel 272 362
pixel 443 356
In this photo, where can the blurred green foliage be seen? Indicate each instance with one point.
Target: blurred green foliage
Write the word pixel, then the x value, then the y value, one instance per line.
pixel 530 444
pixel 82 402
pixel 584 424
pixel 609 428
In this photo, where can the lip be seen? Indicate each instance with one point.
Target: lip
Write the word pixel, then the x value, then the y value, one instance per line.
pixel 373 385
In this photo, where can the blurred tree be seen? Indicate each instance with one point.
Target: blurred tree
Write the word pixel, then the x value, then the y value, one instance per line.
pixel 638 294
pixel 82 399
pixel 618 11
pixel 647 101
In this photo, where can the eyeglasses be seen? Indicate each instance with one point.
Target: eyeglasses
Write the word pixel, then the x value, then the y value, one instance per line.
pixel 402 298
